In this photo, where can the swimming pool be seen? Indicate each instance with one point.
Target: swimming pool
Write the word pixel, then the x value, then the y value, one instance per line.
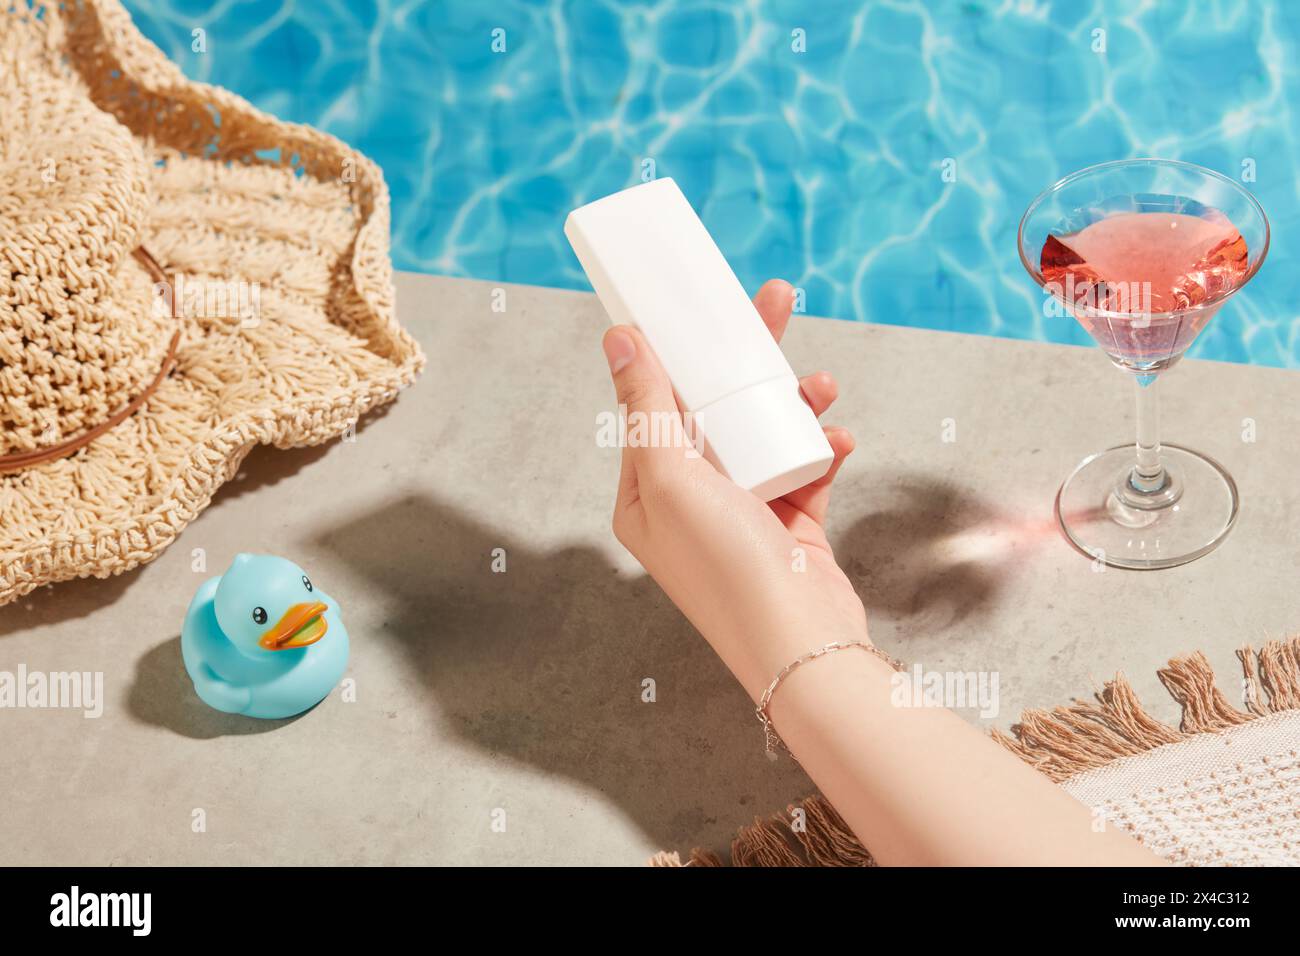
pixel 878 155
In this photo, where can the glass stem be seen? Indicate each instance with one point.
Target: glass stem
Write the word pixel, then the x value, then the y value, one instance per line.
pixel 1149 475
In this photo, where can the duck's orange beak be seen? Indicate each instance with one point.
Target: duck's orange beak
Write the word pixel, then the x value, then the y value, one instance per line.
pixel 301 625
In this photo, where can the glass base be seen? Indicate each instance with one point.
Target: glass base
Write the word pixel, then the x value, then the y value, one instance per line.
pixel 1111 521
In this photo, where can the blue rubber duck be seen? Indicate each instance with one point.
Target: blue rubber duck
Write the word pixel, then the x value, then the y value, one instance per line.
pixel 261 640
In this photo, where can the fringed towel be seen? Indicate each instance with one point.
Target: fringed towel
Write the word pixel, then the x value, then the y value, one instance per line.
pixel 1221 789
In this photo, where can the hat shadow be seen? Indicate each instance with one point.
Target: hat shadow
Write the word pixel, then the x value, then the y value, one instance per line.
pixel 69 600
pixel 162 695
pixel 545 662
pixel 266 465
pixel 263 467
pixel 65 601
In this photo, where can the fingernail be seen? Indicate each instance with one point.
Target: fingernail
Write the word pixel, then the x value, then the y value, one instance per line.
pixel 619 350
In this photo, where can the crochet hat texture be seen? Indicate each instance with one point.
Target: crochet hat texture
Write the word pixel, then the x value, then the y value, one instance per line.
pixel 182 277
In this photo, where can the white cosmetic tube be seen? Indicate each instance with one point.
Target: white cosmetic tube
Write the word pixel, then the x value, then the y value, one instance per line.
pixel 654 266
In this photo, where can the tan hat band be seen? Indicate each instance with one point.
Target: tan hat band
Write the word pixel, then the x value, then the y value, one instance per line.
pixel 63 449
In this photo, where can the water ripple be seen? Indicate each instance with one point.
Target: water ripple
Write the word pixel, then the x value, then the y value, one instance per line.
pixel 823 166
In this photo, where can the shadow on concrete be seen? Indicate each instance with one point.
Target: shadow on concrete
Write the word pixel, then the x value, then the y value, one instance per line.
pixel 544 665
pixel 932 555
pixel 264 466
pixel 64 601
pixel 163 695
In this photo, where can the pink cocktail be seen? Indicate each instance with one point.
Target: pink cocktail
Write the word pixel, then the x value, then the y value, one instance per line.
pixel 1142 253
pixel 1124 269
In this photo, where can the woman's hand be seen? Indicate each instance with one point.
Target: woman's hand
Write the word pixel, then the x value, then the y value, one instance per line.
pixel 758 580
pixel 917 784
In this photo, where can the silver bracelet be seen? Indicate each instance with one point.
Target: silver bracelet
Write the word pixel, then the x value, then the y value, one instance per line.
pixel 773 740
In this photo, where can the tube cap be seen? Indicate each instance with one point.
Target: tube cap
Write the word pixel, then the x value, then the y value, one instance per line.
pixel 765 438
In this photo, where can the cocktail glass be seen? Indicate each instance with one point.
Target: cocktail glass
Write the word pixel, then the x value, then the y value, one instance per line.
pixel 1144 505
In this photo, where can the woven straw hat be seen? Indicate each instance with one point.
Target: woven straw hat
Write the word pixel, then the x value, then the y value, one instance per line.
pixel 182 277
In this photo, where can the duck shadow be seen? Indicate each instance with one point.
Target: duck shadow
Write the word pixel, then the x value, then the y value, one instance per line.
pixel 163 695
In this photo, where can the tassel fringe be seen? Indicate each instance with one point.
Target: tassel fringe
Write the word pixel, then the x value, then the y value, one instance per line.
pixel 1059 743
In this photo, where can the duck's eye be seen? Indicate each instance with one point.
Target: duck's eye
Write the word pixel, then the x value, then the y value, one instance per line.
pixel 259 615
pixel 306 583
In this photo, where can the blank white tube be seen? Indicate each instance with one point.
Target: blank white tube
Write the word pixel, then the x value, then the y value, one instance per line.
pixel 654 266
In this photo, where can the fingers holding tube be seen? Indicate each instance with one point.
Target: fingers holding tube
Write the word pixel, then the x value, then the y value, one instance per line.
pixel 774 303
pixel 814 498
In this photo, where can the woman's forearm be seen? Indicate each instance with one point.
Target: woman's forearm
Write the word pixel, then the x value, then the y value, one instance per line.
pixel 920 786
pixel 759 581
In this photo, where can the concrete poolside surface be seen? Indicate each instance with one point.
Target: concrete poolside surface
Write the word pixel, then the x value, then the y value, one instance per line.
pixel 486 698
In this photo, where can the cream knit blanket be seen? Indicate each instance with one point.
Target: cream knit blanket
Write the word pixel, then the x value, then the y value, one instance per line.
pixel 1221 789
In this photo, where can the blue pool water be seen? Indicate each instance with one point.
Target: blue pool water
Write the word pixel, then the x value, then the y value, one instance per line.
pixel 824 166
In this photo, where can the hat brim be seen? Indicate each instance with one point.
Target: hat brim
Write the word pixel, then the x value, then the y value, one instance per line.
pixel 279 236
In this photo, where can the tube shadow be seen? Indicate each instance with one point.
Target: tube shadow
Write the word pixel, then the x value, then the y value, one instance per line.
pixel 545 663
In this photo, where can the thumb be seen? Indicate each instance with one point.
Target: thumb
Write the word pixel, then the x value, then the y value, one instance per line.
pixel 639 380
pixel 655 434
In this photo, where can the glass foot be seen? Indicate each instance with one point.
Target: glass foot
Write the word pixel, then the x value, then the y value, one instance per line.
pixel 1110 520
